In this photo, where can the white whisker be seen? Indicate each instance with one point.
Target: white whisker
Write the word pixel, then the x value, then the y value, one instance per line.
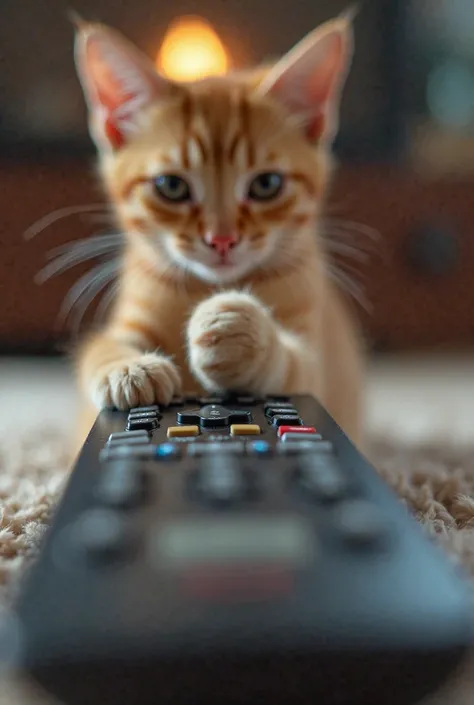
pixel 108 273
pixel 51 218
pixel 101 273
pixel 348 285
pixel 354 226
pixel 68 255
pixel 342 248
pixel 106 301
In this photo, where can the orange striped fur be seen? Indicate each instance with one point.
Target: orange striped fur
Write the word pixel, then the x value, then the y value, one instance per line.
pixel 268 319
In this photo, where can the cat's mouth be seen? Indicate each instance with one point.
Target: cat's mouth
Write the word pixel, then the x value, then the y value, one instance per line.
pixel 212 267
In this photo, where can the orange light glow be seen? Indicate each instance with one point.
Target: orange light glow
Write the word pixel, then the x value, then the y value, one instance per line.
pixel 191 50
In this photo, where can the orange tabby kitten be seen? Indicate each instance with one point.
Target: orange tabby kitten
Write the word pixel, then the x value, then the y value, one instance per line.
pixel 218 185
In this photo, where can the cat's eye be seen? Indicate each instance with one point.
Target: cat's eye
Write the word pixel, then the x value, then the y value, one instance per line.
pixel 173 188
pixel 265 186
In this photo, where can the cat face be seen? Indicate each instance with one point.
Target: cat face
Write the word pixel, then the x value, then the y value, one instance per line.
pixel 222 176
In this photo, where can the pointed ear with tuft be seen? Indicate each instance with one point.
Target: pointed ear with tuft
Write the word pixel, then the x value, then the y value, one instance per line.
pixel 118 82
pixel 310 78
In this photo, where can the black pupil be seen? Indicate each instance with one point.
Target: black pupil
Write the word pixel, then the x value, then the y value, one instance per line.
pixel 172 183
pixel 268 182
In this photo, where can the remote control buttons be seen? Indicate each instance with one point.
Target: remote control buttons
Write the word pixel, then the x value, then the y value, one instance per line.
pixel 118 451
pixel 128 442
pixel 182 431
pixel 144 415
pixel 97 535
pixel 237 429
pixel 143 418
pixel 301 430
pixel 295 447
pixel 168 451
pixel 142 423
pixel 360 524
pixel 280 411
pixel 214 416
pixel 233 447
pixel 134 443
pixel 319 475
pixel 219 479
pixel 121 484
pixel 286 420
pixel 128 437
pixel 260 448
pixel 143 409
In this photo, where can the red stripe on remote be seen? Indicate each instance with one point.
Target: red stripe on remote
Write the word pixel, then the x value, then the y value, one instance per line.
pixel 295 429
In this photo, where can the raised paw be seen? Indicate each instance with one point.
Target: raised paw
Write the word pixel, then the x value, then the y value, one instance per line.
pixel 231 340
pixel 146 379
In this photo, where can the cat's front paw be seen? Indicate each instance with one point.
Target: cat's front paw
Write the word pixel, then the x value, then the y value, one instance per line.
pixel 231 341
pixel 142 380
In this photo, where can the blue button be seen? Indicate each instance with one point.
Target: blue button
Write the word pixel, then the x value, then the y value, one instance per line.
pixel 260 447
pixel 166 450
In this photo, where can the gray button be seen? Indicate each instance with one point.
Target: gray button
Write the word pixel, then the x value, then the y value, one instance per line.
pixel 320 476
pixel 232 447
pixel 279 405
pixel 220 479
pixel 146 424
pixel 115 452
pixel 295 447
pixel 126 435
pixel 309 437
pixel 144 415
pixel 134 441
pixel 360 523
pixel 286 420
pixel 121 484
pixel 99 534
pixel 281 411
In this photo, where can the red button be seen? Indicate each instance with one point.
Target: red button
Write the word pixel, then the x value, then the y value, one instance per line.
pixel 295 429
pixel 238 583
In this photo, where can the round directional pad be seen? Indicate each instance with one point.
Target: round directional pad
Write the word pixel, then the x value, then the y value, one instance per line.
pixel 213 416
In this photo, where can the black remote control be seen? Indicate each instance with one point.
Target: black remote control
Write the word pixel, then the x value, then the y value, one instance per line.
pixel 236 551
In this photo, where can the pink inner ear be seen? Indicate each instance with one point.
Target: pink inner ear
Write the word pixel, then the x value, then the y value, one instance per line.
pixel 109 103
pixel 108 95
pixel 310 80
pixel 323 81
pixel 315 128
pixel 322 86
pixel 117 89
pixel 113 134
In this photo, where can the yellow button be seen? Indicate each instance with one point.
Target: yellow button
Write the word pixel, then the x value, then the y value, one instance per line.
pixel 245 429
pixel 180 431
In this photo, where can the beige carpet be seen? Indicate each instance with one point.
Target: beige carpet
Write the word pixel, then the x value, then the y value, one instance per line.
pixel 436 482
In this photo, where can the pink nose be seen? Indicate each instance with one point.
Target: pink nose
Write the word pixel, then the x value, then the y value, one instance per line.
pixel 222 244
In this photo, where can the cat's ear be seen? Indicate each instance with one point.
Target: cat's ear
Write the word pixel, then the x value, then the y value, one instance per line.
pixel 310 78
pixel 118 82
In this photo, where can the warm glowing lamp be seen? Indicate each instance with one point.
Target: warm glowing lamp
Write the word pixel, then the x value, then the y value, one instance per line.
pixel 191 50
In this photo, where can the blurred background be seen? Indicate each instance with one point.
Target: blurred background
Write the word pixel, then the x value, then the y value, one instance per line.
pixel 401 212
